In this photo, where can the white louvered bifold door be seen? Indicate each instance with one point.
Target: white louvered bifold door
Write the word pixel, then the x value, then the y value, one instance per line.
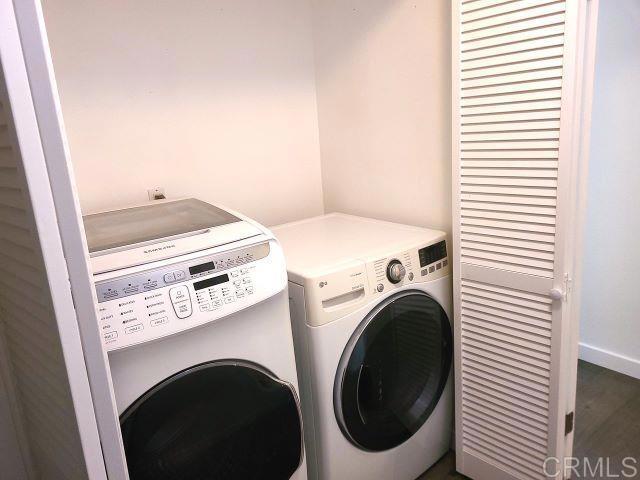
pixel 43 356
pixel 516 80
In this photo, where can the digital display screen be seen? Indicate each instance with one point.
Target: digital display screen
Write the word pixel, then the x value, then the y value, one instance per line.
pixel 432 253
pixel 211 282
pixel 203 267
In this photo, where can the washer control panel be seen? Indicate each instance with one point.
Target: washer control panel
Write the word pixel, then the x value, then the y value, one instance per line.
pixel 154 304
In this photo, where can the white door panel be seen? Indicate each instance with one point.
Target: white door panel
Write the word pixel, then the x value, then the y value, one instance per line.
pixel 517 74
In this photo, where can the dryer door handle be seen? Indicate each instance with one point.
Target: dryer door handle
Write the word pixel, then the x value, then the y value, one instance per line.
pixel 362 367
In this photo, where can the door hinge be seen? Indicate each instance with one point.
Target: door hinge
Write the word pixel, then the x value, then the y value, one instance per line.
pixel 567 284
pixel 568 423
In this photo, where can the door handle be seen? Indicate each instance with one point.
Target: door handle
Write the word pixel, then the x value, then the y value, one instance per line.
pixel 556 294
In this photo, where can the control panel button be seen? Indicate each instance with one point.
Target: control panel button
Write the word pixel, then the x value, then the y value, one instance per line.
pixel 180 275
pixel 169 277
pixel 181 301
pixel 237 283
pixel 229 299
pixel 134 329
pixel 130 290
pixel 246 280
pixel 150 284
pixel 243 271
pixel 235 273
pixel 410 276
pixel 159 321
pixel 249 290
pixel 240 293
pixel 183 309
pixel 380 287
pixel 445 262
pixel 179 294
pixel 110 336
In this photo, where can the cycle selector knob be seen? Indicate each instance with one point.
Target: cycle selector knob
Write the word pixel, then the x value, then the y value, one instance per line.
pixel 395 271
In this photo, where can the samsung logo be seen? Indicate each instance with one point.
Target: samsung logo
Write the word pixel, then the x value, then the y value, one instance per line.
pixel 159 249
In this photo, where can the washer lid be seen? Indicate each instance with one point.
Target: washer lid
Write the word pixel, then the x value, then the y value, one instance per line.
pixel 140 235
pixel 136 225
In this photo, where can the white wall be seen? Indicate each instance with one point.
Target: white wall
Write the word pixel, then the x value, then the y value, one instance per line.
pixel 610 323
pixel 218 100
pixel 207 99
pixel 383 75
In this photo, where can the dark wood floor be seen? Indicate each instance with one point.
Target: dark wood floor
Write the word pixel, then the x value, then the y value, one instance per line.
pixel 444 469
pixel 607 416
pixel 607 421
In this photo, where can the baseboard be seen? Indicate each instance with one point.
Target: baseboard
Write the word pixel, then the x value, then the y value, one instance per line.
pixel 612 361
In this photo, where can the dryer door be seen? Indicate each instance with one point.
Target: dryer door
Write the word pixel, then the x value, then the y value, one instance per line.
pixel 393 371
pixel 222 420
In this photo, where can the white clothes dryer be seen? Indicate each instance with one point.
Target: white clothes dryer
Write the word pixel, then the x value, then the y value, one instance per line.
pixel 370 305
pixel 195 322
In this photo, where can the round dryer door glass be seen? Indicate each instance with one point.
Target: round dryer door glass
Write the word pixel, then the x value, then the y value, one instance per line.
pixel 219 420
pixel 393 371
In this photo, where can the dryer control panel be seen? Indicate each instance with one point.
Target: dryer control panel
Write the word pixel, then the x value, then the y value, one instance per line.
pixel 162 301
pixel 419 264
pixel 336 293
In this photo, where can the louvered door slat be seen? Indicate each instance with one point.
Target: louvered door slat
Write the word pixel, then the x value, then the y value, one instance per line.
pixel 535 102
pixel 521 135
pixel 515 38
pixel 514 76
pixel 523 436
pixel 5 160
pixel 485 9
pixel 515 397
pixel 499 92
pixel 525 423
pixel 512 62
pixel 508 402
pixel 525 29
pixel 498 118
pixel 494 23
pixel 549 58
pixel 508 199
pixel 529 361
pixel 501 205
pixel 510 126
pixel 539 45
pixel 496 442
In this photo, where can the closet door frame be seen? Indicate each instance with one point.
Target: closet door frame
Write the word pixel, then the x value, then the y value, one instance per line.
pixel 577 89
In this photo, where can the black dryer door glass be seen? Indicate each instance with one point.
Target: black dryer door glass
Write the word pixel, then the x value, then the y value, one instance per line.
pixel 393 371
pixel 220 420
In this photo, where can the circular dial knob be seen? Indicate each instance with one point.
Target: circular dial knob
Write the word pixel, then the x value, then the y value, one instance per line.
pixel 395 271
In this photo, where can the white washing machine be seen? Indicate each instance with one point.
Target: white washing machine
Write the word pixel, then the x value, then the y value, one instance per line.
pixel 370 305
pixel 195 321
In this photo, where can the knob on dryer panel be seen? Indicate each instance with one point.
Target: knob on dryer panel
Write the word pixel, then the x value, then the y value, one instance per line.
pixel 395 271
